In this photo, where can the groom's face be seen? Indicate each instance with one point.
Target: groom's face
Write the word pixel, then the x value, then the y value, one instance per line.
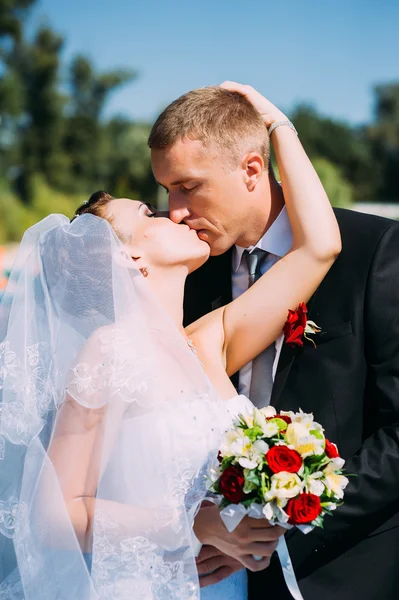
pixel 204 192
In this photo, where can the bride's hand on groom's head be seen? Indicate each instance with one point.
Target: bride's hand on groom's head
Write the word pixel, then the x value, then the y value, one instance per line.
pixel 268 111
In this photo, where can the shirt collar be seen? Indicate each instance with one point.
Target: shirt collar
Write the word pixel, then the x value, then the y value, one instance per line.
pixel 277 240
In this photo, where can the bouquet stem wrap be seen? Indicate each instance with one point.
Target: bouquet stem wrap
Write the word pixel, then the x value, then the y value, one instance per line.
pixel 233 514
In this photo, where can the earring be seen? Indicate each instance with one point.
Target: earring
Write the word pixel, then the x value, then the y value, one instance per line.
pixel 144 271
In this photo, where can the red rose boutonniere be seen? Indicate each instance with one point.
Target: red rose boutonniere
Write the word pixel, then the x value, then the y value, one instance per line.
pixel 297 328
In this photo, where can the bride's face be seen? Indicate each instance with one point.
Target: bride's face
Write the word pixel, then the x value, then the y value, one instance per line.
pixel 155 241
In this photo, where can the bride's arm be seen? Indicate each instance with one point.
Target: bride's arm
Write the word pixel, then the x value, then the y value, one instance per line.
pixel 256 318
pixel 85 434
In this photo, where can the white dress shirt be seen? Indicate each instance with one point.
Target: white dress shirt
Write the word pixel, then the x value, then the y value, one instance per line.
pixel 277 241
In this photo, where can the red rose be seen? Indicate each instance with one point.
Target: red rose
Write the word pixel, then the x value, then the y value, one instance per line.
pixel 231 484
pixel 331 450
pixel 303 509
pixel 281 458
pixel 294 327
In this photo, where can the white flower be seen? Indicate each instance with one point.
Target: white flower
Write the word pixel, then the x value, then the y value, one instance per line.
pixel 260 419
pixel 334 482
pixel 250 455
pixel 270 429
pixel 288 413
pixel 303 441
pixel 305 419
pixel 248 420
pixel 313 485
pixel 260 447
pixel 284 485
pixel 335 464
pixel 229 438
pixel 268 411
pixel 274 511
pixel 312 328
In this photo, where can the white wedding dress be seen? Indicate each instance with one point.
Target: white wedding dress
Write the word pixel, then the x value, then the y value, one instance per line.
pixel 234 587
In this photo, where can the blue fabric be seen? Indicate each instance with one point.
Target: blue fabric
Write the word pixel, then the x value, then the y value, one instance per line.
pixel 234 587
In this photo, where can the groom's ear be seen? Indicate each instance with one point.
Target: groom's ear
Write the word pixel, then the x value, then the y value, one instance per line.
pixel 253 167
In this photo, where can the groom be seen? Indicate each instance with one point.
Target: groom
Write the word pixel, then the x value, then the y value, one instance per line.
pixel 350 381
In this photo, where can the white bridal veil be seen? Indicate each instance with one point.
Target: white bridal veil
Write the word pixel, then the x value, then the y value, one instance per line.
pixel 98 392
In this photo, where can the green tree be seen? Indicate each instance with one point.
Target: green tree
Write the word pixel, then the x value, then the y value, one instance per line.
pixel 129 160
pixel 12 16
pixel 343 146
pixel 85 140
pixel 383 138
pixel 30 102
pixel 42 135
pixel 338 190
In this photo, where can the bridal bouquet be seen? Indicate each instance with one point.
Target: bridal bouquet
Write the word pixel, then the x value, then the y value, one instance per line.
pixel 280 467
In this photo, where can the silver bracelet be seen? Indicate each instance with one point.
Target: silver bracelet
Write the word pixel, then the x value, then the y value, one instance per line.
pixel 278 124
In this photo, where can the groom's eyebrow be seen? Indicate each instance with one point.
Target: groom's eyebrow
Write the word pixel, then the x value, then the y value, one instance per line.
pixel 178 182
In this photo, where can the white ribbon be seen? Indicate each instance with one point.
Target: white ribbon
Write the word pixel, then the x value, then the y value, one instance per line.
pixel 233 514
pixel 288 569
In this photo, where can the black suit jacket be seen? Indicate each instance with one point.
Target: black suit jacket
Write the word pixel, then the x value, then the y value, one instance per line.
pixel 351 384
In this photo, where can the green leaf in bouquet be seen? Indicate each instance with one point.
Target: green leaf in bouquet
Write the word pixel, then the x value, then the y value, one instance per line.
pixel 224 503
pixel 249 487
pixel 252 477
pixel 265 484
pixel 325 499
pixel 248 502
pixel 254 433
pixel 281 424
pixel 242 422
pixel 226 462
pixel 215 487
pixel 317 434
pixel 319 522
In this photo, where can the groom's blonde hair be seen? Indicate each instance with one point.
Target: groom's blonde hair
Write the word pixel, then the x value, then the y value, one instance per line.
pixel 217 117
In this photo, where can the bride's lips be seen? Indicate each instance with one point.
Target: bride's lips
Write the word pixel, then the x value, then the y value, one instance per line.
pixel 203 234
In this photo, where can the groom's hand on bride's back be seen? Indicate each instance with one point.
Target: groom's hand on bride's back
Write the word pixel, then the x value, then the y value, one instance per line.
pixel 251 537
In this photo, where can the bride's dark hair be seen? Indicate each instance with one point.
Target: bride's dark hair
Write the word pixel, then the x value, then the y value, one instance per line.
pixel 95 205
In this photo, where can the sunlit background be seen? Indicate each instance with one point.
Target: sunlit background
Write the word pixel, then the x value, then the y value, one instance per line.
pixel 82 81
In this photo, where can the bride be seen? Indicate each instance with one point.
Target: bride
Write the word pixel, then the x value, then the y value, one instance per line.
pixel 111 411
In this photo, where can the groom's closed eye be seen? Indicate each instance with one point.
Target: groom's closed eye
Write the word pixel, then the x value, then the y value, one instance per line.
pixel 186 189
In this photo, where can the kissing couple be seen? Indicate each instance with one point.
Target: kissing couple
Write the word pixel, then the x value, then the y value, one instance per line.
pixel 131 339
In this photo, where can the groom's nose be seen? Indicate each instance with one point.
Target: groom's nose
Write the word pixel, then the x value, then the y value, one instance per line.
pixel 177 212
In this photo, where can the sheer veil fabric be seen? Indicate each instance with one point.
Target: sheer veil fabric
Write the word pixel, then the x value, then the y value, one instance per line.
pixel 95 378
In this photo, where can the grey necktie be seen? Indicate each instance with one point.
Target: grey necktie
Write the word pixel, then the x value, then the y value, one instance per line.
pixel 262 365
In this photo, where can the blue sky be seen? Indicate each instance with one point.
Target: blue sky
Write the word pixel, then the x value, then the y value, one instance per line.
pixel 327 52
